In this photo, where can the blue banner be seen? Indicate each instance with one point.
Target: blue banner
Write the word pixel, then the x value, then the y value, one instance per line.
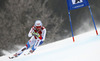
pixel 75 4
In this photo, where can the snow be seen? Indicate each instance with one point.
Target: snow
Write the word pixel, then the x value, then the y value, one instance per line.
pixel 85 48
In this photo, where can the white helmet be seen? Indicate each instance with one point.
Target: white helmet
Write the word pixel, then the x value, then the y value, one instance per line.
pixel 38 24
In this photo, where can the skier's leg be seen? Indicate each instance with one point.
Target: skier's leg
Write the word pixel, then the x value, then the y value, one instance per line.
pixel 29 43
pixel 36 44
pixel 20 51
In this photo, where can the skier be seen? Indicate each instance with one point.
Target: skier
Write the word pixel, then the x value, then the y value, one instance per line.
pixel 37 34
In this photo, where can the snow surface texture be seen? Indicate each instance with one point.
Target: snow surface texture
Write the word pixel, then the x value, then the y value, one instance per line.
pixel 85 48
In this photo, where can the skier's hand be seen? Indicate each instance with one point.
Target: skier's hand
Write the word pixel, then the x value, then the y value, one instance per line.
pixel 36 34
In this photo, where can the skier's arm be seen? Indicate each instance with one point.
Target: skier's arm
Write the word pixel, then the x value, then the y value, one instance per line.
pixel 43 34
pixel 41 37
pixel 30 32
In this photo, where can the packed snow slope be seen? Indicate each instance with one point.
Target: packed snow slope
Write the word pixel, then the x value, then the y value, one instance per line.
pixel 85 48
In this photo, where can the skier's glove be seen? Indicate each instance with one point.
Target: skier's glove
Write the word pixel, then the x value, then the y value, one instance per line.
pixel 36 34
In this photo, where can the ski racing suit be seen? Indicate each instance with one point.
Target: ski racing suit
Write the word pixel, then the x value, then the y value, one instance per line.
pixel 34 41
